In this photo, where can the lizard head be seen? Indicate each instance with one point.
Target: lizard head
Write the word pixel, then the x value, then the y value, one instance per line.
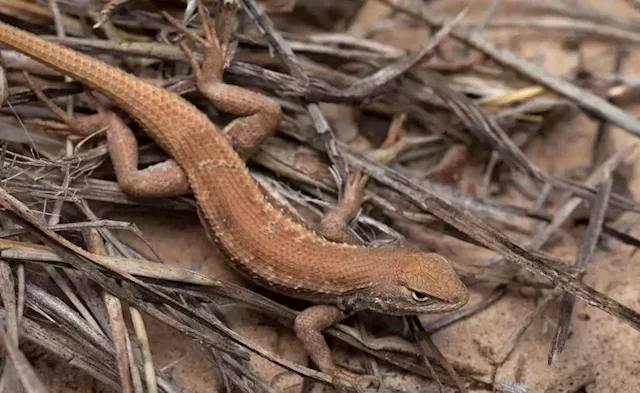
pixel 418 283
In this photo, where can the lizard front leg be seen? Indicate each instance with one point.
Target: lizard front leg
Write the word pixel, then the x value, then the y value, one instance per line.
pixel 308 327
pixel 335 224
pixel 164 179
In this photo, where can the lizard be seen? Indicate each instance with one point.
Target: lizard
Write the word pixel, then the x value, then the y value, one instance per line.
pixel 260 239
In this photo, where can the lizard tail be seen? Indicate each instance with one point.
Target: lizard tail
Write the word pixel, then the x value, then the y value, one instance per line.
pixel 85 69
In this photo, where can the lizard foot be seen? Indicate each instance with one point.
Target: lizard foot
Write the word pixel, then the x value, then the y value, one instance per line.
pixel 354 189
pixel 214 49
pixel 81 126
pixel 343 379
pixel 334 225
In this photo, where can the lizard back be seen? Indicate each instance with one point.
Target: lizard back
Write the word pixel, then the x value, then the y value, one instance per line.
pixel 262 240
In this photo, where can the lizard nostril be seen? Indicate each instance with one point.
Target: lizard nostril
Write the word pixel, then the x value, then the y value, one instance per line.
pixel 462 297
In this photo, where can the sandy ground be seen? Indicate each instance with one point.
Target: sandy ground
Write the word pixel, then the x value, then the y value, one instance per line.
pixel 596 338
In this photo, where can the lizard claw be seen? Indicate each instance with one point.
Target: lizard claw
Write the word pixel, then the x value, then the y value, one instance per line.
pixel 356 182
pixel 343 379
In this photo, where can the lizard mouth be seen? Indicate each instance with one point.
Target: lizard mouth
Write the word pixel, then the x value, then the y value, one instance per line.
pixel 437 306
pixel 446 306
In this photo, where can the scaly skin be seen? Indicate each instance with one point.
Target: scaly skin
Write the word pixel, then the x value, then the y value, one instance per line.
pixel 261 239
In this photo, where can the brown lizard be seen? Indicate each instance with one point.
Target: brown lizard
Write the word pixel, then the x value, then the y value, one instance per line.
pixel 261 240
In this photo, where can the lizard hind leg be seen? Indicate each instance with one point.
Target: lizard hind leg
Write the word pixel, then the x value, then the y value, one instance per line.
pixel 81 126
pixel 257 115
pixel 163 179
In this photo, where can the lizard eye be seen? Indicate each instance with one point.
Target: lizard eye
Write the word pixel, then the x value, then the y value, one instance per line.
pixel 419 296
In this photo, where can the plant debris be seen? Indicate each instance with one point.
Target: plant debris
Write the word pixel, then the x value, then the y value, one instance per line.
pixel 437 134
